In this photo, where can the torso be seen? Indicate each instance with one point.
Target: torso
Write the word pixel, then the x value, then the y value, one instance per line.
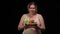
pixel 35 18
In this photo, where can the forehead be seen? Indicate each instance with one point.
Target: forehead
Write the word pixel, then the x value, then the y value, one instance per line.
pixel 32 5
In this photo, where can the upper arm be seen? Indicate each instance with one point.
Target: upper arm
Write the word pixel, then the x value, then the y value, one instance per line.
pixel 21 20
pixel 41 21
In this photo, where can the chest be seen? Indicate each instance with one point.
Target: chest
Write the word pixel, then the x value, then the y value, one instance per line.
pixel 34 18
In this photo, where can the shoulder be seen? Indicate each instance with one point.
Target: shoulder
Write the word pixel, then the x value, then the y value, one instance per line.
pixel 24 15
pixel 39 15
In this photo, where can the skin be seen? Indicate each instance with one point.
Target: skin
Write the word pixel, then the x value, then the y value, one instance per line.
pixel 32 12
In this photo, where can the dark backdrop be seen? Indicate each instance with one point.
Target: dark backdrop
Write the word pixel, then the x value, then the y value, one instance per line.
pixel 19 7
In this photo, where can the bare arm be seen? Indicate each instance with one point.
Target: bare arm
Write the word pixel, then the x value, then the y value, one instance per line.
pixel 21 24
pixel 42 25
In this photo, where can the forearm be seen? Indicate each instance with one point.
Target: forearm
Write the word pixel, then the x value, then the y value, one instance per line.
pixel 41 27
pixel 20 27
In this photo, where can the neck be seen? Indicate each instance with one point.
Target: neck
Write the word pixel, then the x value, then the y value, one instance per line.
pixel 32 13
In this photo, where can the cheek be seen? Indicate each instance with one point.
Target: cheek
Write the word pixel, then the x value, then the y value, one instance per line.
pixel 31 9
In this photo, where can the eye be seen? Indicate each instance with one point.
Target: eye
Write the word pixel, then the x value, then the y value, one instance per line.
pixel 32 8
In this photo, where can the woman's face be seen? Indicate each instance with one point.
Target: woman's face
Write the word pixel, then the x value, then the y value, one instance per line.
pixel 32 9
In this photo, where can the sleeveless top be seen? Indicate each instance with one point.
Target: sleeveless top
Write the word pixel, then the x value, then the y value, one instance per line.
pixel 28 19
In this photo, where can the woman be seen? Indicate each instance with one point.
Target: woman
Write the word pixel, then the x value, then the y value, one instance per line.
pixel 30 17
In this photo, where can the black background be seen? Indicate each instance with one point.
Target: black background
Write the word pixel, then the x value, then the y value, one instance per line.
pixel 19 7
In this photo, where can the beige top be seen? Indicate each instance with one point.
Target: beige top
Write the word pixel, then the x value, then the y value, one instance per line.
pixel 37 18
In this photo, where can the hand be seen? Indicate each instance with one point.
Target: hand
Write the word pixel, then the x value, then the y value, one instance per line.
pixel 41 27
pixel 18 28
pixel 38 26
